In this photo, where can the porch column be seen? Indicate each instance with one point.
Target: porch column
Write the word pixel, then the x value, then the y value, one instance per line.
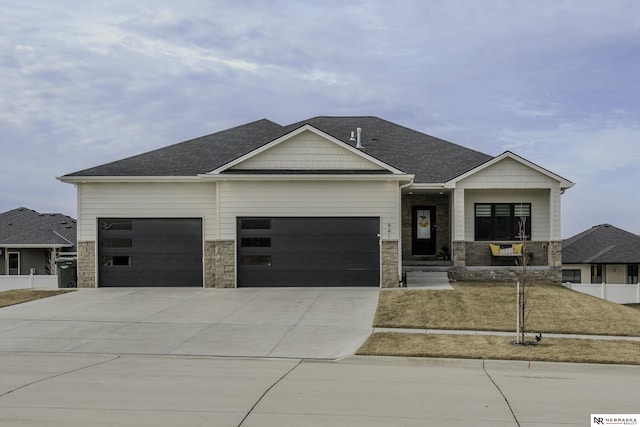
pixel 554 249
pixel 554 214
pixel 458 252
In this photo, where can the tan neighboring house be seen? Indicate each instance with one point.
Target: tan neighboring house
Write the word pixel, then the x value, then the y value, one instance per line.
pixel 31 241
pixel 328 201
pixel 601 254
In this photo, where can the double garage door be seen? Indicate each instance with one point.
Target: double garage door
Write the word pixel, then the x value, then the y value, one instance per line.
pixel 270 252
pixel 308 251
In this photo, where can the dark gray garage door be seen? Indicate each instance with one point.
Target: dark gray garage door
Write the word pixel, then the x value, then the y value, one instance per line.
pixel 308 252
pixel 150 252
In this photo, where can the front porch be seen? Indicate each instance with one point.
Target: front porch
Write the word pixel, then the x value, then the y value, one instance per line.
pixel 428 246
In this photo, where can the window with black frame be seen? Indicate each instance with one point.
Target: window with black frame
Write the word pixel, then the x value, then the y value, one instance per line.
pixel 501 221
pixel 572 275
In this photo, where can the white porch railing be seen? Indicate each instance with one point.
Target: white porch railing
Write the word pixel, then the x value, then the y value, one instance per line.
pixel 30 281
pixel 621 294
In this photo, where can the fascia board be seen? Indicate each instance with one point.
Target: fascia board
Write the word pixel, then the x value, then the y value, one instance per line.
pixel 305 177
pixel 88 179
pixel 427 186
pixel 298 131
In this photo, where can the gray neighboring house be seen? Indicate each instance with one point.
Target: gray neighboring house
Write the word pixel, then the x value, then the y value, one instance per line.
pixel 601 254
pixel 328 201
pixel 31 241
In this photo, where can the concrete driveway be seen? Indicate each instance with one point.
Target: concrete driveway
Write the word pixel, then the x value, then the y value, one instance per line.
pixel 131 357
pixel 319 323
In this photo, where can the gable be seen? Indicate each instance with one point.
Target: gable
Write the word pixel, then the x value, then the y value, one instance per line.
pixel 509 172
pixel 307 151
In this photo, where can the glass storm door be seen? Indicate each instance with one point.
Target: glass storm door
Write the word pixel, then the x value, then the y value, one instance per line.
pixel 424 230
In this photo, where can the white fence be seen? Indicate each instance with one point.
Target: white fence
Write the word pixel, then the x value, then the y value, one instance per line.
pixel 621 294
pixel 31 281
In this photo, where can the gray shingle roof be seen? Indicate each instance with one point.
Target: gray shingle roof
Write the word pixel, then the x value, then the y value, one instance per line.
pixel 24 226
pixel 432 160
pixel 602 244
pixel 193 157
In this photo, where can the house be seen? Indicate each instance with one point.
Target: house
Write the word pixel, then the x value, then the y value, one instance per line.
pixel 30 241
pixel 601 254
pixel 328 201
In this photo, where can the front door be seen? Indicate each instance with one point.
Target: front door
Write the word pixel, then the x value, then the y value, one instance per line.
pixel 424 230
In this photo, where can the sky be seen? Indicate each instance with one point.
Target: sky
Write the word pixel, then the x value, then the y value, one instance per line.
pixel 83 83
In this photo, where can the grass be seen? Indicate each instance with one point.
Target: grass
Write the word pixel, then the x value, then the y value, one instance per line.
pixel 491 307
pixel 18 296
pixel 493 347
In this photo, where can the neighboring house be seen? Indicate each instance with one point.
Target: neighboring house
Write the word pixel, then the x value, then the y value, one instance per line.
pixel 601 254
pixel 30 241
pixel 328 201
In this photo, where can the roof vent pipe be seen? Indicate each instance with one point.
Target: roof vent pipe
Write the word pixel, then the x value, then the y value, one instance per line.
pixel 353 137
pixel 359 138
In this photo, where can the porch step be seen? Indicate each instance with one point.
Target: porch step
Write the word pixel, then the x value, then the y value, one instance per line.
pixel 428 279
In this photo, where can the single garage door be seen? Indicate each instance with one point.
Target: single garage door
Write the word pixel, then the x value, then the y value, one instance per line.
pixel 149 252
pixel 308 252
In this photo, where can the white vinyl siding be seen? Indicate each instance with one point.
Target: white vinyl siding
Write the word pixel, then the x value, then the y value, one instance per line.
pixel 145 200
pixel 539 199
pixel 308 198
pixel 615 274
pixel 507 173
pixel 307 151
pixel 509 181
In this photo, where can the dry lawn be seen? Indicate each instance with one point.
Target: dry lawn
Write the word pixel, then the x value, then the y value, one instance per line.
pixel 492 307
pixel 18 296
pixel 500 348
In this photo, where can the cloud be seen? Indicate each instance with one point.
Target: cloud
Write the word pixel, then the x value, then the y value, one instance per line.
pixel 83 83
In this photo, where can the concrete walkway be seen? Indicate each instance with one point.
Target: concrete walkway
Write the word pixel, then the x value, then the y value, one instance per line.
pixel 320 323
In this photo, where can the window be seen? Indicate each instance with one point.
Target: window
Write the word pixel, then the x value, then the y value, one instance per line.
pixel 256 242
pixel 255 224
pixel 115 224
pixel 573 276
pixel 632 274
pixel 501 221
pixel 116 242
pixel 116 261
pixel 256 260
pixel 596 273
